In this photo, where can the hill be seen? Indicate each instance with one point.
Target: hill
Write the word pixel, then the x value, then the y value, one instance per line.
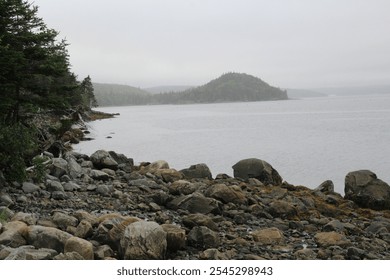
pixel 119 95
pixel 230 87
pixel 165 89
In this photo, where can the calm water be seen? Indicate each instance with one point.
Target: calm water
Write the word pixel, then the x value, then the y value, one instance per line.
pixel 308 141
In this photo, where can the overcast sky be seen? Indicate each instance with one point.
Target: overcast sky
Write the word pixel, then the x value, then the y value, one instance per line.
pixel 287 43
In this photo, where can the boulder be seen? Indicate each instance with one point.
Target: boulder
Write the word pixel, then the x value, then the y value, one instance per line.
pixel 84 229
pixel 259 169
pixel 226 194
pixel 103 252
pixel 144 240
pixel 366 190
pixel 13 234
pixel 63 220
pixel 30 187
pixel 59 167
pixel 47 237
pixel 102 159
pixel 181 187
pixel 193 220
pixel 176 237
pixel 169 175
pixel 325 187
pixel 74 168
pixel 81 246
pixel 99 175
pixel 282 209
pixel 154 167
pixel 203 238
pixel 268 236
pixel 196 203
pixel 197 171
pixel 332 238
pixel 27 218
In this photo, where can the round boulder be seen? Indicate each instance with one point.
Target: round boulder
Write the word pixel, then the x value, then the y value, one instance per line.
pixel 366 190
pixel 259 169
pixel 197 171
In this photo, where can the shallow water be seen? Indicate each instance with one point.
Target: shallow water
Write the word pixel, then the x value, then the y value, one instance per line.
pixel 308 141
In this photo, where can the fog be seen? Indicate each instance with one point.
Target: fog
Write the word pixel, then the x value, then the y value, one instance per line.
pixel 288 43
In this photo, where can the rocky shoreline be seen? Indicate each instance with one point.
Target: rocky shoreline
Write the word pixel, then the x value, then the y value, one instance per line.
pixel 102 206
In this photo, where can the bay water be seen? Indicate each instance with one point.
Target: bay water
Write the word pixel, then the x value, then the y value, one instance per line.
pixel 307 141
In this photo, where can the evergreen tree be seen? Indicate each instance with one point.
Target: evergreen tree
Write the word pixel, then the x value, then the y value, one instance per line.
pixel 88 95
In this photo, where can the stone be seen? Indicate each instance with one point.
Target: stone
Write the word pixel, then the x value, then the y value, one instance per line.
pixel 259 169
pixel 325 187
pixel 13 234
pixel 169 175
pixel 102 159
pixel 176 237
pixel 268 236
pixel 366 190
pixel 197 171
pixel 144 240
pixel 74 168
pixel 328 239
pixel 5 200
pixel 282 209
pixel 193 220
pixel 27 218
pixel 69 256
pixel 47 237
pixel 30 253
pixel 203 238
pixel 99 175
pixel 154 167
pixel 71 186
pixel 196 203
pixel 226 194
pixel 81 246
pixel 59 195
pixel 103 252
pixel 84 215
pixel 30 187
pixel 63 220
pixel 212 254
pixel 305 254
pixel 105 190
pixel 58 167
pixel 334 225
pixel 84 229
pixel 181 187
pixel 53 186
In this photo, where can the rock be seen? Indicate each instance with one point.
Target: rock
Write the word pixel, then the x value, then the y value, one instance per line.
pixel 102 159
pixel 99 175
pixel 181 187
pixel 154 167
pixel 103 252
pixel 30 253
pixel 5 200
pixel 176 237
pixel 27 218
pixel 212 254
pixel 305 254
pixel 82 215
pixel 74 169
pixel 30 187
pixel 13 234
pixel 169 175
pixel 325 187
pixel 268 236
pixel 259 169
pixel 46 237
pixel 71 186
pixel 197 171
pixel 105 190
pixel 121 159
pixel 53 186
pixel 144 240
pixel 366 190
pixel 226 194
pixel 84 229
pixel 58 167
pixel 203 238
pixel 69 256
pixel 196 203
pixel 282 209
pixel 63 220
pixel 193 220
pixel 334 225
pixel 81 246
pixel 59 195
pixel 327 239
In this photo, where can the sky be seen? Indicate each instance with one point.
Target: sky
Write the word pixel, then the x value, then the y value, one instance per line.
pixel 287 43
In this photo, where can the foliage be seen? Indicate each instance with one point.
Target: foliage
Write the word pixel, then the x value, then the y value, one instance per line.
pixel 39 171
pixel 3 216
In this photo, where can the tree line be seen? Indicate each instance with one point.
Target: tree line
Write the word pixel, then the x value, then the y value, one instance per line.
pixel 35 77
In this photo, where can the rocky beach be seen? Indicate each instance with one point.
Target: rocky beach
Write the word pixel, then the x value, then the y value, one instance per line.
pixel 102 206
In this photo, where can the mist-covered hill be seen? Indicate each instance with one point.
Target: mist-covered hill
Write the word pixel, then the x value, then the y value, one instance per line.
pixel 230 87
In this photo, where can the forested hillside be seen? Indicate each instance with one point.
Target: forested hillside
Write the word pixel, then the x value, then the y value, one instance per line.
pixel 117 95
pixel 35 83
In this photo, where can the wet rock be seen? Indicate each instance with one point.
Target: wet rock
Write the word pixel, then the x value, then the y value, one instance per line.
pixel 259 169
pixel 102 159
pixel 144 240
pixel 203 238
pixel 81 246
pixel 366 190
pixel 197 171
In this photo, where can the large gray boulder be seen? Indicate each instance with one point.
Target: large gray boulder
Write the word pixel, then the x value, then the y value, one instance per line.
pixel 144 241
pixel 102 159
pixel 259 169
pixel 366 190
pixel 197 171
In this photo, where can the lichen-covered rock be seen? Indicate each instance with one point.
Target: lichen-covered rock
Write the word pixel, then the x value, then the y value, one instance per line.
pixel 259 169
pixel 144 240
pixel 366 190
